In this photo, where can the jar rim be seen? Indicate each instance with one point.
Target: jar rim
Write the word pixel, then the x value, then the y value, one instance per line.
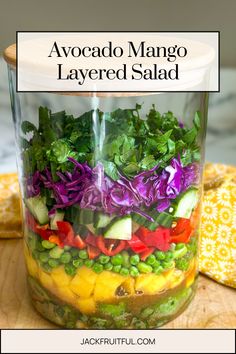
pixel 192 78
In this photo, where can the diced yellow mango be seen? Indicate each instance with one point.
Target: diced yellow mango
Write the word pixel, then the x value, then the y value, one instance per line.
pixel 169 276
pixel 169 273
pixel 103 293
pixel 128 285
pixel 87 274
pixel 191 273
pixel 150 284
pixel 176 278
pixel 31 265
pixel 111 279
pixel 190 279
pixel 86 306
pixel 60 277
pixel 106 285
pixel 46 280
pixel 65 294
pixel 83 282
pixel 192 266
pixel 81 287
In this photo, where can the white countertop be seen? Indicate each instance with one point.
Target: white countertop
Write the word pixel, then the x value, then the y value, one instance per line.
pixel 221 134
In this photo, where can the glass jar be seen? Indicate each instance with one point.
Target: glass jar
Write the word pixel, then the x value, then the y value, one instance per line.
pixel 111 195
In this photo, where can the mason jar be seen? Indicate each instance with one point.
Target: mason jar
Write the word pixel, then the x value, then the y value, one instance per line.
pixel 111 197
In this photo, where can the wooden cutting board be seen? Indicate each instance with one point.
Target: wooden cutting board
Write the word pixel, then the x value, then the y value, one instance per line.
pixel 214 306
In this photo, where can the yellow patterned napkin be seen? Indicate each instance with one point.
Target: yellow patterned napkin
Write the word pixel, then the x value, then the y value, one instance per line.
pixel 217 256
pixel 10 215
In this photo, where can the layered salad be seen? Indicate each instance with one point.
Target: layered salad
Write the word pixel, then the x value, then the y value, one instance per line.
pixel 111 205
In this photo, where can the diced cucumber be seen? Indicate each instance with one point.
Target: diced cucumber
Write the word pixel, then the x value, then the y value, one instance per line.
pixel 164 219
pixel 38 209
pixel 86 216
pixel 58 216
pixel 142 221
pixel 80 230
pixel 102 220
pixel 120 229
pixel 135 227
pixel 91 228
pixel 186 204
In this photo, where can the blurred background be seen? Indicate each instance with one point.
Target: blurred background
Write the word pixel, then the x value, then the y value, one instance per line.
pixel 153 15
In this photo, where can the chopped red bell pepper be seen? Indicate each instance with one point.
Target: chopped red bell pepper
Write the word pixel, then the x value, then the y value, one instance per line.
pixel 91 240
pixel 67 235
pixel 137 245
pixel 143 231
pixel 160 238
pixel 182 232
pixel 30 221
pixel 93 252
pixel 55 239
pixel 78 242
pixel 43 232
pixel 110 247
pixel 145 254
pixel 127 247
pixel 182 224
pixel 65 228
pixel 182 237
pixel 66 232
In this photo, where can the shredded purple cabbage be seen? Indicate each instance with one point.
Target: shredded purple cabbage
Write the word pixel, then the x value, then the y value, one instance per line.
pixel 159 189
pixel 68 190
pixel 108 195
pixel 92 189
